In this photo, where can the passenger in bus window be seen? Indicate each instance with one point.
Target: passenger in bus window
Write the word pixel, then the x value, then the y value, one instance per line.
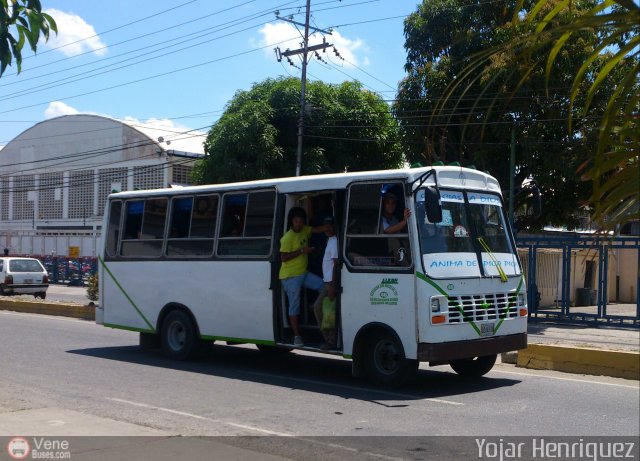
pixel 294 251
pixel 325 306
pixel 389 222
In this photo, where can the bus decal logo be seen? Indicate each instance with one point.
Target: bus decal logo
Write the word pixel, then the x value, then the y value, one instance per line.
pixel 385 293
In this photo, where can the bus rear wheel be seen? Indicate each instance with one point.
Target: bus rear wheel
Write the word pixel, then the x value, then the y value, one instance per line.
pixel 385 362
pixel 474 367
pixel 179 336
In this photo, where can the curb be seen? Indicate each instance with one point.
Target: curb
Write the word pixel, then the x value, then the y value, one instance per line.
pixel 77 311
pixel 580 360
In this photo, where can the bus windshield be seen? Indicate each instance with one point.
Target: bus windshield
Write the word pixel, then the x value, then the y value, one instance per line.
pixel 472 239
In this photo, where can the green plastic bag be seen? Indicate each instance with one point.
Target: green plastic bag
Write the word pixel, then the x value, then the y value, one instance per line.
pixel 328 314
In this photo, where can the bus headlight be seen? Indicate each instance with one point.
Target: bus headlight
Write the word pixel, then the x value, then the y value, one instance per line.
pixel 522 301
pixel 438 303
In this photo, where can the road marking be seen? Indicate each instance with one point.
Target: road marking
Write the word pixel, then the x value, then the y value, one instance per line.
pixel 356 388
pixel 203 418
pixel 559 378
pixel 253 428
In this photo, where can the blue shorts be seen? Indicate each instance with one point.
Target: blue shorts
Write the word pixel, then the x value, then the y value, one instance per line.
pixel 293 287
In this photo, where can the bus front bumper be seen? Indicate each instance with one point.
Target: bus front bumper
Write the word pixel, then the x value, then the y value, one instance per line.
pixel 443 352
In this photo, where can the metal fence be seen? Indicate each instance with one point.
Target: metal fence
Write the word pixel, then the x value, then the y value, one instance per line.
pixel 584 279
pixel 68 271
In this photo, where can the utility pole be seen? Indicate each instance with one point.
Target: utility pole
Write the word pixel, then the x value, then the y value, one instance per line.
pixel 512 172
pixel 303 79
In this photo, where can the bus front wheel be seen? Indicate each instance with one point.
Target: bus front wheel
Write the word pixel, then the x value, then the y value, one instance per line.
pixel 385 362
pixel 180 339
pixel 474 367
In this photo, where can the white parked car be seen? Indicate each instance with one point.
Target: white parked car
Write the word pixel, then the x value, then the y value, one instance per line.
pixel 23 276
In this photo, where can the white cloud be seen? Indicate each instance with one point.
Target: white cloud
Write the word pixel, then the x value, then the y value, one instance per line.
pixel 274 33
pixel 58 108
pixel 160 124
pixel 74 35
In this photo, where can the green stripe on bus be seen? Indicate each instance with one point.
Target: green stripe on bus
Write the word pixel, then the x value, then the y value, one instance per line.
pixel 122 327
pixel 424 278
pixel 495 330
pixel 239 340
pixel 125 293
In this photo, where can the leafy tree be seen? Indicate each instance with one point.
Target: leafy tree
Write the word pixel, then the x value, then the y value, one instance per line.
pixel 346 129
pixel 28 20
pixel 458 101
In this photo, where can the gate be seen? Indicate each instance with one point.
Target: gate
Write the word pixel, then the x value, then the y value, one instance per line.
pixel 584 279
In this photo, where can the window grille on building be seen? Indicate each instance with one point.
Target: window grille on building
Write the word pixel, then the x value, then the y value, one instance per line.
pixel 22 206
pixel 181 174
pixel 81 194
pixel 148 177
pixel 50 197
pixel 4 199
pixel 108 178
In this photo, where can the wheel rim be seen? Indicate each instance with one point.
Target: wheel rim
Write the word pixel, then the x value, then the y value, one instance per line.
pixel 386 356
pixel 176 335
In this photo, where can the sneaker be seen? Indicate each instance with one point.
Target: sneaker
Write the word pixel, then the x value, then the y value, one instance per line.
pixel 297 341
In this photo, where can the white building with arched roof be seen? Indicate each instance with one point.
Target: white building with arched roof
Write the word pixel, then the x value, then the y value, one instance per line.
pixel 55 178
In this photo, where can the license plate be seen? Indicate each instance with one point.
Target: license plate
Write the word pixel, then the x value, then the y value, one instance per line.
pixel 28 280
pixel 486 329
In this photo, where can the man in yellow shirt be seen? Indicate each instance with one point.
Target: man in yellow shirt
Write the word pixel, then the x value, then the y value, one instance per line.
pixel 294 250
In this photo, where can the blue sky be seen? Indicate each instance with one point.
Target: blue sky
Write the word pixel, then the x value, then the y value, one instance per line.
pixel 176 63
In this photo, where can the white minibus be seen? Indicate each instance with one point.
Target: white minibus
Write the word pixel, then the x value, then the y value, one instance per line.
pixel 188 266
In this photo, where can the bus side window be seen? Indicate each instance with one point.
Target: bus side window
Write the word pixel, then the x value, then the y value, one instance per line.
pixel 367 244
pixel 113 231
pixel 192 226
pixel 247 224
pixel 144 228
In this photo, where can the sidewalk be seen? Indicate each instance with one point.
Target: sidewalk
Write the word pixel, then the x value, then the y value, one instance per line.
pixel 602 350
pixel 601 337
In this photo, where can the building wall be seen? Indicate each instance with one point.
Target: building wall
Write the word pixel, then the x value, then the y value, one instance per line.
pixel 56 176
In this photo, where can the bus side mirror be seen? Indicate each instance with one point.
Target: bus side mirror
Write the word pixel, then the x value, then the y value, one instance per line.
pixel 432 205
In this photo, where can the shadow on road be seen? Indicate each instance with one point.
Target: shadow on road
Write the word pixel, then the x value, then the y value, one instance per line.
pixel 326 375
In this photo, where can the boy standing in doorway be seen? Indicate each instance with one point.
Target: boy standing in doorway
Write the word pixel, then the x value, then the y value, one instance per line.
pixel 325 307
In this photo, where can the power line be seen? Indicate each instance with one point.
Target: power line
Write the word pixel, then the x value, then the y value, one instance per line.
pixel 181 40
pixel 108 31
pixel 163 74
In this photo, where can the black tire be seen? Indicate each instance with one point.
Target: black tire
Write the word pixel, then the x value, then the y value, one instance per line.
pixel 179 336
pixel 2 291
pixel 150 341
pixel 273 350
pixel 385 362
pixel 474 367
pixel 42 294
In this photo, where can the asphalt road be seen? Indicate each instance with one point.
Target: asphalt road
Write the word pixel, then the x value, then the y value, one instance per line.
pixel 72 367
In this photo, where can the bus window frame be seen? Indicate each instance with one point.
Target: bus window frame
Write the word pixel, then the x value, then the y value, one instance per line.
pixel 163 239
pixel 270 238
pixel 474 232
pixel 402 182
pixel 119 235
pixel 214 239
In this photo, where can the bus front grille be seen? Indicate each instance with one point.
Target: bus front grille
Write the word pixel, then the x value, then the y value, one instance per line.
pixel 477 308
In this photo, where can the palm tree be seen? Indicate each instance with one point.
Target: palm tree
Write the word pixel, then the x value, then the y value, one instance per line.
pixel 545 28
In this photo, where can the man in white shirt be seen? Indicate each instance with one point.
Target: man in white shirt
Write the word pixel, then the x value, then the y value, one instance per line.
pixel 325 306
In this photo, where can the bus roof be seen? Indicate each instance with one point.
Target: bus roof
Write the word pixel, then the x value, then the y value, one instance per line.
pixel 448 176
